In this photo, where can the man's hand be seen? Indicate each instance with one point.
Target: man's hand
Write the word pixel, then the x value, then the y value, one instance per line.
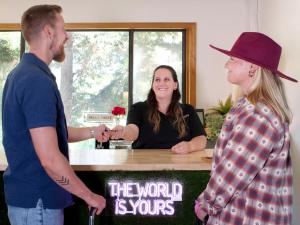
pixel 96 201
pixel 101 133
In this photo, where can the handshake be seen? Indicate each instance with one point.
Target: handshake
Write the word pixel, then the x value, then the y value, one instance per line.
pixel 102 133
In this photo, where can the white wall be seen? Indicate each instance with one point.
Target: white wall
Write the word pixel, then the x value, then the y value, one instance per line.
pixel 281 20
pixel 218 22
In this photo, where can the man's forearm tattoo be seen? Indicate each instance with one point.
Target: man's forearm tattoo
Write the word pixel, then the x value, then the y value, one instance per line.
pixel 63 181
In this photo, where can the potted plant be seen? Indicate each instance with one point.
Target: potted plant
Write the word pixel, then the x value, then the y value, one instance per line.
pixel 214 119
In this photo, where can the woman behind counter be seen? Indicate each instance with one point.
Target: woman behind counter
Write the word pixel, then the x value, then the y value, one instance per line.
pixel 161 122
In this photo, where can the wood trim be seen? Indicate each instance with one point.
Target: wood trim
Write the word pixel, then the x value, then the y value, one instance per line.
pixel 190 44
pixel 191 66
pixel 10 26
pixel 74 26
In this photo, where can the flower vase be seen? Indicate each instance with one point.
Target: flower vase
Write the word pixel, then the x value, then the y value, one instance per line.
pixel 117 120
pixel 118 112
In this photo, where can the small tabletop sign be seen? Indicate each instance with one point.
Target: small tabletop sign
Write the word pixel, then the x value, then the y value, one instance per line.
pixel 98 117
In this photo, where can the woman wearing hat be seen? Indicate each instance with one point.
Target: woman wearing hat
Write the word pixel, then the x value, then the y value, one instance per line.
pixel 251 177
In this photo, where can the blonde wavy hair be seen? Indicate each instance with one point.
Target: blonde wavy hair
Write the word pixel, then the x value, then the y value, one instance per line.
pixel 269 89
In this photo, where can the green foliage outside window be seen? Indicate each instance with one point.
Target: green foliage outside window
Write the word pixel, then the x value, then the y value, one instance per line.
pixel 9 57
pixel 152 49
pixel 94 76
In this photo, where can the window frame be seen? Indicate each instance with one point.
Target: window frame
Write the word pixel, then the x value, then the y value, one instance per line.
pixel 190 49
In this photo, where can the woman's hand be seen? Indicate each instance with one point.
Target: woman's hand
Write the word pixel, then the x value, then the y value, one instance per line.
pixel 181 148
pixel 197 143
pixel 199 211
pixel 117 132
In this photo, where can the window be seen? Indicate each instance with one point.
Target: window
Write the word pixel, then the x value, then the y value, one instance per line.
pixel 153 48
pixel 9 57
pixel 94 75
pixel 112 64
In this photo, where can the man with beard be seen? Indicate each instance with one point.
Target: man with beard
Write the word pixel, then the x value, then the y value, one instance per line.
pixel 38 180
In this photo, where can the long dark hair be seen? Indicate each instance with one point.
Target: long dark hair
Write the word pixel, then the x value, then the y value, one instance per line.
pixel 174 110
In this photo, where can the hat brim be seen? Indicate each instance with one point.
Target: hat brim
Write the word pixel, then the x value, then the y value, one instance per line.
pixel 229 53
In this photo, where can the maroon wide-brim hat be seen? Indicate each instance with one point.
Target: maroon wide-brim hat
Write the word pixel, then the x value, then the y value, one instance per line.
pixel 258 49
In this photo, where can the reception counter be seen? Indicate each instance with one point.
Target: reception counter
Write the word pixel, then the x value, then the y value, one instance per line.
pixel 143 186
pixel 132 160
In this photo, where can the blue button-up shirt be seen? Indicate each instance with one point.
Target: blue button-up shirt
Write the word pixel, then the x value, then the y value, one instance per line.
pixel 31 99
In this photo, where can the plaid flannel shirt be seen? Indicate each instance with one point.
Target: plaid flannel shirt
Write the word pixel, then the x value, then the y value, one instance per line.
pixel 251 177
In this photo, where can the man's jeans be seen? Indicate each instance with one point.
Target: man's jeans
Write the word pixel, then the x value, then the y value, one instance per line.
pixel 35 216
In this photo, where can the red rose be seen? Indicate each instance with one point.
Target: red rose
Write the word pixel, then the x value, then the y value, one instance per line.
pixel 118 111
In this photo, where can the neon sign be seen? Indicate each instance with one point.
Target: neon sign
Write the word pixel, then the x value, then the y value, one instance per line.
pixel 147 198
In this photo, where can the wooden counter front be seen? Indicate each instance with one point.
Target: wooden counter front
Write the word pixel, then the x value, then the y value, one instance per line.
pixel 97 167
pixel 132 160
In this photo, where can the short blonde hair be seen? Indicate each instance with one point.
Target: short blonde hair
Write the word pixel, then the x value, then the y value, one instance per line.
pixel 36 17
pixel 269 89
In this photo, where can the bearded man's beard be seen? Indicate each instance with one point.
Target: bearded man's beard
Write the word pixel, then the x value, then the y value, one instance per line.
pixel 60 56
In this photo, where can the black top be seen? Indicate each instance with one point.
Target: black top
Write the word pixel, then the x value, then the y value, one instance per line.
pixel 167 135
